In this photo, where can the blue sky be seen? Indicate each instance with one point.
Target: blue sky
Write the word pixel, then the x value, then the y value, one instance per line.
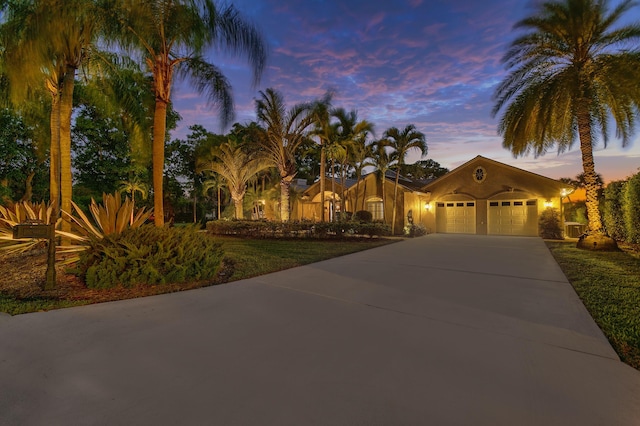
pixel 431 63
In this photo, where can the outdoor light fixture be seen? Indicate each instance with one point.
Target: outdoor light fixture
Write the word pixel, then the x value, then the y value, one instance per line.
pixel 427 206
pixel 548 203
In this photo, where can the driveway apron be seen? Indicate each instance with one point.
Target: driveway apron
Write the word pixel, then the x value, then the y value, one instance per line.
pixel 437 330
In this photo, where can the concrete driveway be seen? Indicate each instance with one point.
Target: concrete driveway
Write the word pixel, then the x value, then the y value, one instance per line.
pixel 439 330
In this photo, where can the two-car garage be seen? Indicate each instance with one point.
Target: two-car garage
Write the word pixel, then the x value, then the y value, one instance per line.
pixel 502 217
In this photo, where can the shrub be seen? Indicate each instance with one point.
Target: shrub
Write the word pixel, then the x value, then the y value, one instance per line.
pixel 150 255
pixel 549 224
pixel 305 229
pixel 415 230
pixel 613 213
pixel 632 208
pixel 364 216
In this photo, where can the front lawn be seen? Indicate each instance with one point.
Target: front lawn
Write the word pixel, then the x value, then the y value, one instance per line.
pixel 22 276
pixel 609 285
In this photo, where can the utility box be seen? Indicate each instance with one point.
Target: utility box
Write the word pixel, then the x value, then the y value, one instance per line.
pixel 574 229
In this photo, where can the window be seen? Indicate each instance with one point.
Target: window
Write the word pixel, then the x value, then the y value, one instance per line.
pixel 531 202
pixel 471 204
pixel 375 207
pixel 459 204
pixel 449 204
pixel 517 203
pixel 506 203
pixel 440 204
pixel 493 204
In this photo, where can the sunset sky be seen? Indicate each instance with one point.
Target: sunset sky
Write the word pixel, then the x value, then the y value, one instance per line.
pixel 431 63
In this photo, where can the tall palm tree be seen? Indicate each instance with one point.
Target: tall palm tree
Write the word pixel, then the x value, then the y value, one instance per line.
pixel 218 183
pixel 382 160
pixel 571 71
pixel 284 132
pixel 54 40
pixel 361 157
pixel 402 142
pixel 323 129
pixel 237 165
pixel 352 134
pixel 172 36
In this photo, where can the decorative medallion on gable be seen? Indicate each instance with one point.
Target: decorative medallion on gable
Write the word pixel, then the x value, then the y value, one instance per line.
pixel 479 174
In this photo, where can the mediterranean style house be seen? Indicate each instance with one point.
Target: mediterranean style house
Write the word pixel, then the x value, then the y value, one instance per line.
pixel 482 196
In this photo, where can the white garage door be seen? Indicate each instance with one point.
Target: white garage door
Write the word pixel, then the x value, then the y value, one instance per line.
pixel 513 217
pixel 456 217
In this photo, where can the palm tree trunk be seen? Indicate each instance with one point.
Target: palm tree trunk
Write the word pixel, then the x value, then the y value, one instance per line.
pixel 588 165
pixel 323 160
pixel 66 108
pixel 239 212
pixel 285 184
pixel 355 204
pixel 218 217
pixel 54 153
pixel 395 201
pixel 333 191
pixel 159 134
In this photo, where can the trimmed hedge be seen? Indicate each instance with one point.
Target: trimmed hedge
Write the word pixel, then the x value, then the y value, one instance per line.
pixel 150 255
pixel 631 209
pixel 296 229
pixel 613 214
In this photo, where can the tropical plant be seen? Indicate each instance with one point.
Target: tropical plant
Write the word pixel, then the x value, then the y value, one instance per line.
pixel 237 165
pixel 217 183
pixel 110 218
pixel 402 142
pixel 381 160
pixel 172 36
pixel 570 72
pixel 352 135
pixel 131 186
pixel 149 255
pixel 324 131
pixel 17 213
pixel 284 132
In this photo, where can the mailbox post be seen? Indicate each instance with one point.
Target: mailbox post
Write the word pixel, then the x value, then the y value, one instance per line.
pixel 37 229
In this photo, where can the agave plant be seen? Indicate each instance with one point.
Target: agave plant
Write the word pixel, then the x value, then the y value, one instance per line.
pixel 21 212
pixel 111 217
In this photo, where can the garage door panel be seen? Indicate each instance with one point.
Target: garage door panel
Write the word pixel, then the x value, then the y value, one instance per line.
pixel 458 217
pixel 513 217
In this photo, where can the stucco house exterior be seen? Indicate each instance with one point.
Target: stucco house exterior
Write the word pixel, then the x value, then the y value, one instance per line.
pixel 482 196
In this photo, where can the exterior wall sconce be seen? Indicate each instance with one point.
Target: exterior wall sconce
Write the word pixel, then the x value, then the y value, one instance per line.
pixel 427 206
pixel 548 204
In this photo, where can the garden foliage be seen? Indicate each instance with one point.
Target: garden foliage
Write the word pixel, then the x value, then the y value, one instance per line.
pixel 296 229
pixel 549 224
pixel 415 230
pixel 612 211
pixel 149 255
pixel 632 209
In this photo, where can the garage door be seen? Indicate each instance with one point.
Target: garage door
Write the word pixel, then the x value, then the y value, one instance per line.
pixel 456 217
pixel 513 217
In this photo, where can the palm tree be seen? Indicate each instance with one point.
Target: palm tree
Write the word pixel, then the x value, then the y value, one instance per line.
pixel 402 142
pixel 323 129
pixel 381 160
pixel 172 36
pixel 361 155
pixel 218 183
pixel 237 166
pixel 131 186
pixel 284 132
pixel 46 42
pixel 569 73
pixel 352 135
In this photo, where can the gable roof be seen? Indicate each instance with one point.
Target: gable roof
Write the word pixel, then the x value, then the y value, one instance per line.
pixel 480 160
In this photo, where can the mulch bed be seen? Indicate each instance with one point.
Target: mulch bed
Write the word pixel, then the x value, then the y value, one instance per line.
pixel 23 276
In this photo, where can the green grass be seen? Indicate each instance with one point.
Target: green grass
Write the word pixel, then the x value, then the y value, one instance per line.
pixel 609 286
pixel 258 257
pixel 245 257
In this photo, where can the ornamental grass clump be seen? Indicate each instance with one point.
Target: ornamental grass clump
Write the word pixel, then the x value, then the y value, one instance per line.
pixel 150 256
